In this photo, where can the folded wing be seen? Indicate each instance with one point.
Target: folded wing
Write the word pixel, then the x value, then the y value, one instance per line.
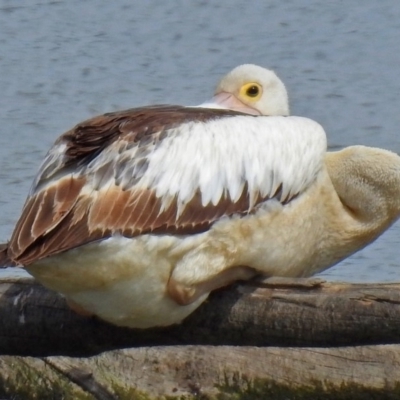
pixel 166 170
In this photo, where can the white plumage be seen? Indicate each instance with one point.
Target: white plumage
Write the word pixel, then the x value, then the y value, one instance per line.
pixel 221 156
pixel 136 216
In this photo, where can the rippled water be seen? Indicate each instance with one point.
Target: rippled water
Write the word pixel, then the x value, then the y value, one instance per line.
pixel 64 61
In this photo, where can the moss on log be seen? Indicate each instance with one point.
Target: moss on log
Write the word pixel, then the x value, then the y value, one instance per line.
pixel 206 372
pixel 336 341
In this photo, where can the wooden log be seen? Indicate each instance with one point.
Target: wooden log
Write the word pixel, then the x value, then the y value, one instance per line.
pixel 207 372
pixel 279 312
pixel 37 322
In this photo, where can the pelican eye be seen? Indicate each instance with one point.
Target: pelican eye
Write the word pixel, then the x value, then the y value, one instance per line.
pixel 251 91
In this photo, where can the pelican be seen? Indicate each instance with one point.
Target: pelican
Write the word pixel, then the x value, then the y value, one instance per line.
pixel 136 216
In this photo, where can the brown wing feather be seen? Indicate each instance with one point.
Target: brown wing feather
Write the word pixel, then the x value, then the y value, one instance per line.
pixel 4 259
pixel 43 212
pixel 128 219
pixel 60 215
pixel 136 124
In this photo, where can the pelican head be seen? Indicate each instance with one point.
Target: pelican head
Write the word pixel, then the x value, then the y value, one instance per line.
pixel 252 90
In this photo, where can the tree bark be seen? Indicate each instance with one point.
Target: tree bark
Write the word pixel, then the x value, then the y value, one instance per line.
pixel 197 359
pixel 279 312
pixel 208 372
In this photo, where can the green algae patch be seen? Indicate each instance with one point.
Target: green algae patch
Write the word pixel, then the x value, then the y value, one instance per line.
pixel 267 389
pixel 129 393
pixel 20 381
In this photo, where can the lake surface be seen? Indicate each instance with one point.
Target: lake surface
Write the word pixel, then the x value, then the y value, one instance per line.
pixel 64 61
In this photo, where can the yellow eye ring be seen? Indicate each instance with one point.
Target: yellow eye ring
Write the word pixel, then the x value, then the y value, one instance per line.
pixel 251 91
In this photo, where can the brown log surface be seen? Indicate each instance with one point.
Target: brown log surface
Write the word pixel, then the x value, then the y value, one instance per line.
pixel 337 341
pixel 279 312
pixel 207 372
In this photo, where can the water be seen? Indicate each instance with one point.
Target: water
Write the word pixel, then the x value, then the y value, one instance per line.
pixel 64 61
